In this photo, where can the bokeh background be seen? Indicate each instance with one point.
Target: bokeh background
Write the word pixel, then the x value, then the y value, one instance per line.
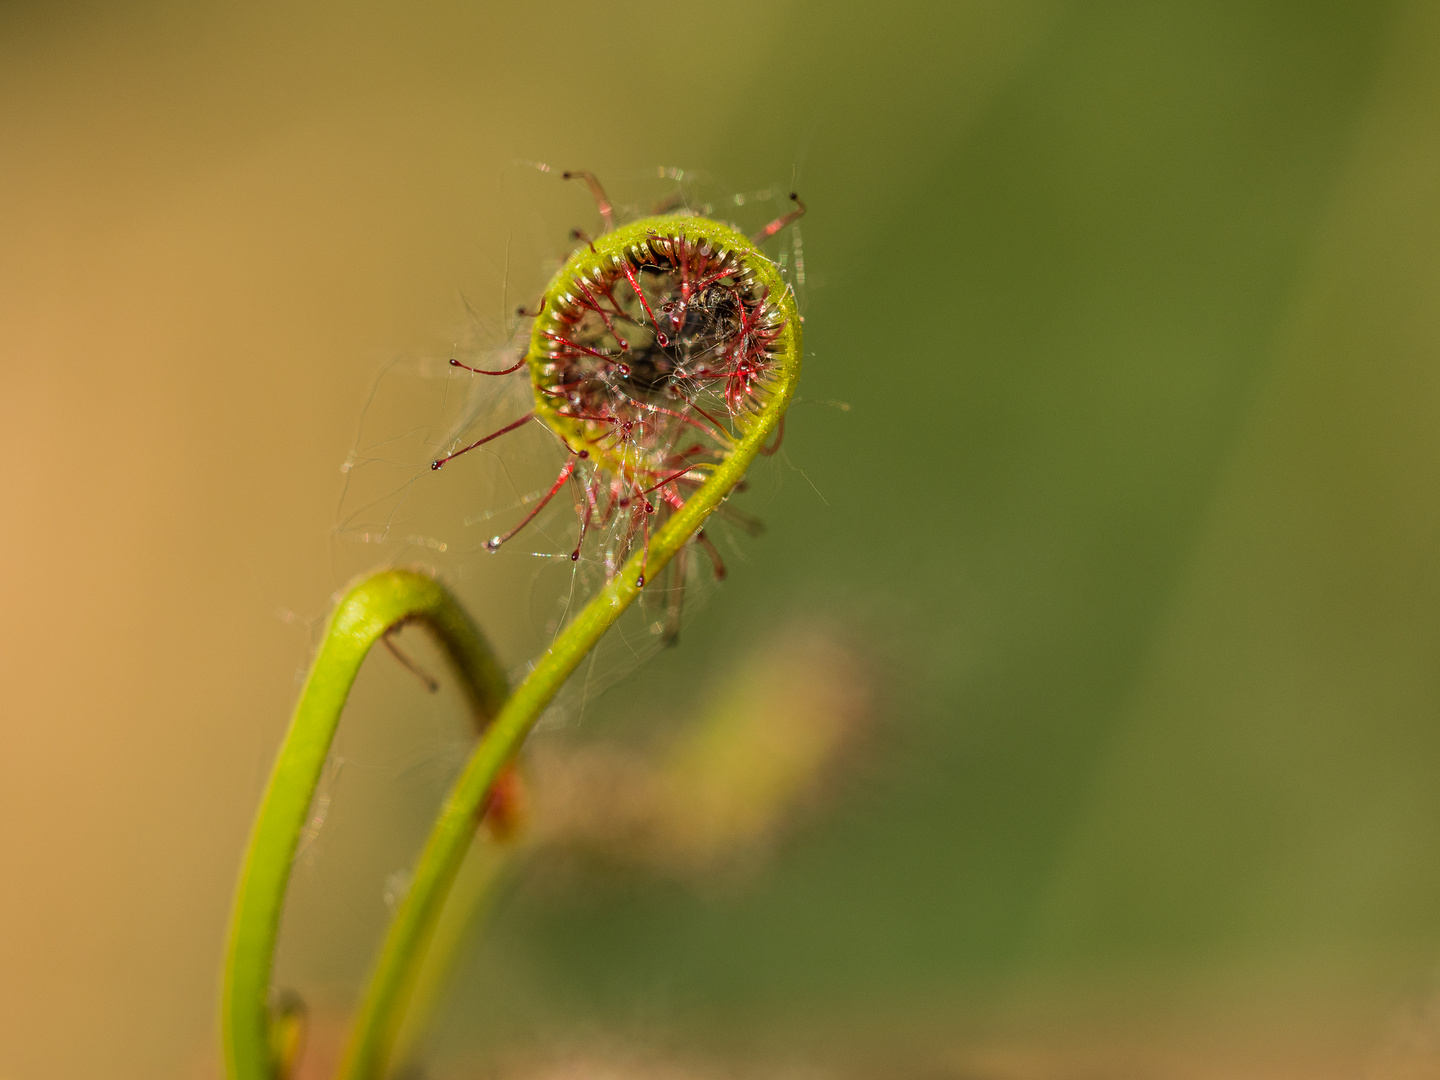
pixel 1136 506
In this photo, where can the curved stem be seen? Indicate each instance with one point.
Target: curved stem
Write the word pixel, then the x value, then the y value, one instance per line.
pixel 371 608
pixel 445 848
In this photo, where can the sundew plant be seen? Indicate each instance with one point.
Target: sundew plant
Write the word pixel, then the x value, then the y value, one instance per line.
pixel 661 358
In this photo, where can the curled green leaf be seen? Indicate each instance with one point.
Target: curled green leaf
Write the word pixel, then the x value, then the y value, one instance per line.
pixel 757 404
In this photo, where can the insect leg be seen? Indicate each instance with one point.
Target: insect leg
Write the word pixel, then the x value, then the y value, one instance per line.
pixel 780 222
pixel 602 201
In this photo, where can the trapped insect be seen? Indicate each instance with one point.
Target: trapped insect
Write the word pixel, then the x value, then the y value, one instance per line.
pixel 650 354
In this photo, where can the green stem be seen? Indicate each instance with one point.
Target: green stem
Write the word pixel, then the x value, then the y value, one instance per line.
pixel 365 614
pixel 487 870
pixel 370 609
pixel 405 944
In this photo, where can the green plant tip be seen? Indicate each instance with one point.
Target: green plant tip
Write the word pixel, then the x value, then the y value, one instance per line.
pixel 665 354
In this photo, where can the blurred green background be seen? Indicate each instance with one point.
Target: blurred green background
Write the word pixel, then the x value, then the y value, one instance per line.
pixel 1137 310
